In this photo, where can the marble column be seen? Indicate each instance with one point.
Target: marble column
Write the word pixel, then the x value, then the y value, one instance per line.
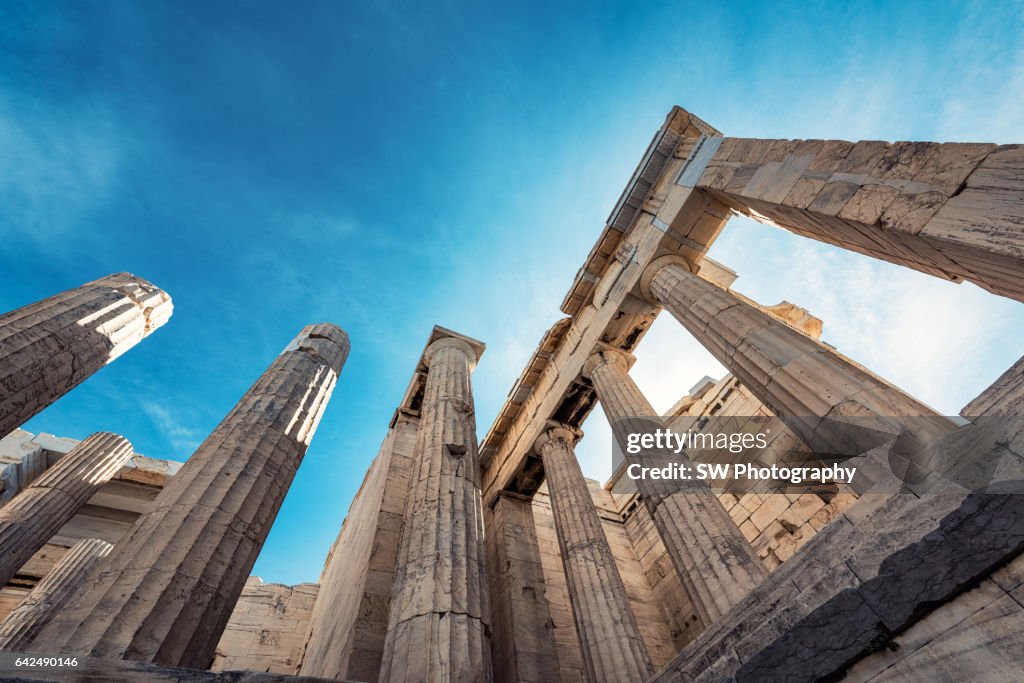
pixel 39 511
pixel 524 649
pixel 165 593
pixel 800 379
pixel 438 626
pixel 50 347
pixel 714 561
pixel 610 640
pixel 51 594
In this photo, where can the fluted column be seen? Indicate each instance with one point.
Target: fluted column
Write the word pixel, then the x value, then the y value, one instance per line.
pixel 438 626
pixel 50 347
pixel 610 640
pixel 38 512
pixel 800 379
pixel 51 594
pixel 165 593
pixel 714 561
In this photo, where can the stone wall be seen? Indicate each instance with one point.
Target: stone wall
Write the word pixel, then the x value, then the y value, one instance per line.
pixel 775 524
pixel 267 629
pixel 676 609
pixel 976 636
pixel 346 633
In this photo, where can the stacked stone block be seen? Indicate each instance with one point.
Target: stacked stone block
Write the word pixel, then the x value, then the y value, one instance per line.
pixel 951 210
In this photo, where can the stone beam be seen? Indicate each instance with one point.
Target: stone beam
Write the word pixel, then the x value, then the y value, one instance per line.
pixel 51 594
pixel 439 620
pixel 953 210
pixel 167 590
pixel 50 347
pixel 48 503
pixel 653 218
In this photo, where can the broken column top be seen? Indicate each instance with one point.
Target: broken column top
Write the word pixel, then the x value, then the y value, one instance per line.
pixel 156 303
pixel 326 340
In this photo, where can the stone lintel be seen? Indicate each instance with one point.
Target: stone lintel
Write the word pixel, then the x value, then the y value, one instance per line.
pixel 658 160
pixel 952 210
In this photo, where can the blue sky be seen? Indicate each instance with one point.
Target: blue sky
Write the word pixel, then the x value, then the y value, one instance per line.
pixel 389 166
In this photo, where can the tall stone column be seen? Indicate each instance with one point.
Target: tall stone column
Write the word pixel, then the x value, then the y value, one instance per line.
pixel 51 594
pixel 50 347
pixel 51 500
pixel 524 650
pixel 438 627
pixel 165 593
pixel 800 379
pixel 610 640
pixel 714 561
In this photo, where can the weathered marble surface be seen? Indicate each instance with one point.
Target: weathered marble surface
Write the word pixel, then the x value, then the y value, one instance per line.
pixel 439 620
pixel 50 347
pixel 33 516
pixel 167 590
pixel 610 640
pixel 51 594
pixel 267 628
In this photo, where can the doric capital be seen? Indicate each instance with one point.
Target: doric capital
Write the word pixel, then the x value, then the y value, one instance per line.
pixel 450 343
pixel 605 354
pixel 554 431
pixel 654 267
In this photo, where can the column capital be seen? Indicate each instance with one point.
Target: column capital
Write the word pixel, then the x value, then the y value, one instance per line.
pixel 605 354
pixel 654 267
pixel 450 343
pixel 554 431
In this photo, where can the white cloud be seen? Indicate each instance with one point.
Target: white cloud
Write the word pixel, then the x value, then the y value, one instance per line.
pixel 182 439
pixel 939 341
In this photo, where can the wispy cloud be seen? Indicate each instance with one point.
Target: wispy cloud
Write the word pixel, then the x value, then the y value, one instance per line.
pixel 940 341
pixel 56 169
pixel 182 439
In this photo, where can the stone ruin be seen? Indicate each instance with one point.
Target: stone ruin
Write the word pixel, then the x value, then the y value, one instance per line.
pixel 496 559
